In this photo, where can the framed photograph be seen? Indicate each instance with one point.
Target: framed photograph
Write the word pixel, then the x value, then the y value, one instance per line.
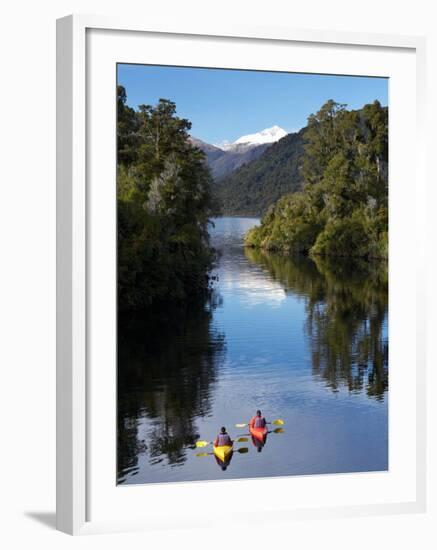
pixel 238 321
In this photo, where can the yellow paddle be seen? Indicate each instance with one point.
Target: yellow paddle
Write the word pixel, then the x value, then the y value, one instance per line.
pixel 205 443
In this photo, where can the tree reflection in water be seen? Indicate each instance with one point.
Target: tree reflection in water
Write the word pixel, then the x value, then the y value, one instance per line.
pixel 346 314
pixel 166 372
pixel 168 368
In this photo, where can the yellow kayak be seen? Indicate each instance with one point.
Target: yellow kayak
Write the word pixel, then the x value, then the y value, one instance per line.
pixel 223 452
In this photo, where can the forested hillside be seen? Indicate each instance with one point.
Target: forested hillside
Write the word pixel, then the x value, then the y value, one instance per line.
pixel 252 188
pixel 342 209
pixel 163 206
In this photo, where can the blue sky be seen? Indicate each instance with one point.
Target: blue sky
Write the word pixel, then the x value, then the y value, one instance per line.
pixel 226 104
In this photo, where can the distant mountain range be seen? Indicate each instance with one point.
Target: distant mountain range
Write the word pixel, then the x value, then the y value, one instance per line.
pixel 227 157
pixel 253 187
pixel 256 170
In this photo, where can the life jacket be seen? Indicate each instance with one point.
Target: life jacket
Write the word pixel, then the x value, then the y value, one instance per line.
pixel 223 439
pixel 259 422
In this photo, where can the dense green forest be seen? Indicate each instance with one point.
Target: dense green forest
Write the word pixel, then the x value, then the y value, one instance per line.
pixel 328 183
pixel 342 209
pixel 252 188
pixel 163 206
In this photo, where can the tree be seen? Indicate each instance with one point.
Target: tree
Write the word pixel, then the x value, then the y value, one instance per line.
pixel 163 205
pixel 127 130
pixel 343 208
pixel 323 137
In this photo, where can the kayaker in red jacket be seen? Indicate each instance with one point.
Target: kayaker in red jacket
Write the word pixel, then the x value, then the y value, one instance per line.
pixel 223 438
pixel 257 421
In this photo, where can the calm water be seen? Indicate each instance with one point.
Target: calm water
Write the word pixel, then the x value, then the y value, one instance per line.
pixel 302 341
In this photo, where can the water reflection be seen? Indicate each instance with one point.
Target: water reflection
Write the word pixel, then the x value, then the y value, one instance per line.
pixel 167 369
pixel 223 464
pixel 259 443
pixel 346 317
pixel 304 340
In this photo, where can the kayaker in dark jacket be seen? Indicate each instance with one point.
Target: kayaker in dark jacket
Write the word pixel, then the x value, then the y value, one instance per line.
pixel 223 438
pixel 257 421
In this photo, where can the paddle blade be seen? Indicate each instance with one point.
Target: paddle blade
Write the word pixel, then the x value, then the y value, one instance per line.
pixel 202 454
pixel 278 431
pixel 243 450
pixel 242 440
pixel 202 443
pixel 240 425
pixel 278 422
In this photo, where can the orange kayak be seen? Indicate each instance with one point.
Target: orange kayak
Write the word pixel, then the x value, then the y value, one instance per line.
pixel 259 433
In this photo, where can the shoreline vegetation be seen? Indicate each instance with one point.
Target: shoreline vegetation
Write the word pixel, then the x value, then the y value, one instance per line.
pixel 164 205
pixel 342 208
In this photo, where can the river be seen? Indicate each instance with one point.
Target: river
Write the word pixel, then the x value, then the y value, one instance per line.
pixel 303 341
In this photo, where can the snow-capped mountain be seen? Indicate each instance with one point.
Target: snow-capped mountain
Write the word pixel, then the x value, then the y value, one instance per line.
pixel 227 157
pixel 268 135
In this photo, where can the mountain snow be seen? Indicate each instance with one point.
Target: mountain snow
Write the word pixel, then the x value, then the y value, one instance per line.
pixel 268 135
pixel 227 157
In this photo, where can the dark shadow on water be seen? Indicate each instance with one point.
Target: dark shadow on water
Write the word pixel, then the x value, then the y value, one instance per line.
pixel 45 518
pixel 167 369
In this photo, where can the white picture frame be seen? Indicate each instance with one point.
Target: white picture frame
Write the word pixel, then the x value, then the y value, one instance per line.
pixel 77 362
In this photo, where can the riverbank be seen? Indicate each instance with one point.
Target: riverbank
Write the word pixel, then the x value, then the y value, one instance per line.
pixel 293 225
